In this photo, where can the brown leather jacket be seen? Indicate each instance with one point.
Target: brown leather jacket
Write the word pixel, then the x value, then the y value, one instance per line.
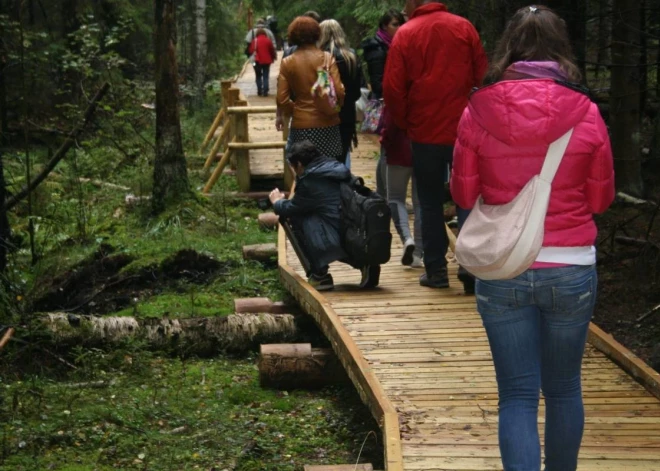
pixel 297 75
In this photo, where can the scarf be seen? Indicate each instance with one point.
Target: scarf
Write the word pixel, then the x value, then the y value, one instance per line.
pixel 534 69
pixel 384 36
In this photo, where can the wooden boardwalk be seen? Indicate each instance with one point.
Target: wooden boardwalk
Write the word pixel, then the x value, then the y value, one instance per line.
pixel 420 360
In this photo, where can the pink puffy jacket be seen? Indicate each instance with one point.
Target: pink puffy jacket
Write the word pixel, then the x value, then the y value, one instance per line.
pixel 503 137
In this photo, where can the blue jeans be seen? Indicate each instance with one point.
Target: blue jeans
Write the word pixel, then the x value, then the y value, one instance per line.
pixel 537 327
pixel 262 72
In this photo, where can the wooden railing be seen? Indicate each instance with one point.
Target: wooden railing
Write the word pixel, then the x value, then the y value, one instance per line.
pixel 234 139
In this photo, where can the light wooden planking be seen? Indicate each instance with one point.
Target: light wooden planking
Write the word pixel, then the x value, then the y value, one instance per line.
pixel 419 358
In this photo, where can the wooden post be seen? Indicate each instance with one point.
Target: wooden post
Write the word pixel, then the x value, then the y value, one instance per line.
pixel 242 155
pixel 289 177
pixel 268 221
pixel 293 366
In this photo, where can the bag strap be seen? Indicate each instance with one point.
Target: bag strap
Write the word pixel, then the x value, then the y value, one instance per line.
pixel 326 61
pixel 554 156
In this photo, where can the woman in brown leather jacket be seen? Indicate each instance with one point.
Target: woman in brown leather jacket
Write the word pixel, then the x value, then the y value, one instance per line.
pixel 298 73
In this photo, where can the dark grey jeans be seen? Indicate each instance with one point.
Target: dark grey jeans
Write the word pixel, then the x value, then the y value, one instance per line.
pixel 430 162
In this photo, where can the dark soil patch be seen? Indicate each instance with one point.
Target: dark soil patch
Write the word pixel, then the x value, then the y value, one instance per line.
pixel 97 286
pixel 629 279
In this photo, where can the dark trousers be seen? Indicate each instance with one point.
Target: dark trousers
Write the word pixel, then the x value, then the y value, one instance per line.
pixel 262 71
pixel 430 169
pixel 346 131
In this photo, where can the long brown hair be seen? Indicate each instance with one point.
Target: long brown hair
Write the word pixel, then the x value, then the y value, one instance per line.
pixel 534 33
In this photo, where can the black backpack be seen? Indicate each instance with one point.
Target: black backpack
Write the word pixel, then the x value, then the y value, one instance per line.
pixel 365 224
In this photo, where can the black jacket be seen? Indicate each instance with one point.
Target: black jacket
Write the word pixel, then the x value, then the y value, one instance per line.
pixel 315 208
pixel 375 54
pixel 352 83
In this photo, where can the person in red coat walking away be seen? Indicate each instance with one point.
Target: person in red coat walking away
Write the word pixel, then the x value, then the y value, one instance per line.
pixel 537 322
pixel 435 60
pixel 263 51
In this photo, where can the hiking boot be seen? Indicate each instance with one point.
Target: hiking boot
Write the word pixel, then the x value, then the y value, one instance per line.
pixel 417 261
pixel 321 282
pixel 436 280
pixel 467 279
pixel 370 276
pixel 408 251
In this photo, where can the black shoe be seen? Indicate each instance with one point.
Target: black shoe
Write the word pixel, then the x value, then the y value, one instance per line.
pixel 467 279
pixel 370 276
pixel 436 280
pixel 321 282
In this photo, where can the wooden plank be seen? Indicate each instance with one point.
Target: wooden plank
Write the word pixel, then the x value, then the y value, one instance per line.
pixel 639 370
pixel 243 110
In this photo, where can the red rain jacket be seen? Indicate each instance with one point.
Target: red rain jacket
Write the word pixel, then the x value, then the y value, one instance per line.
pixel 435 60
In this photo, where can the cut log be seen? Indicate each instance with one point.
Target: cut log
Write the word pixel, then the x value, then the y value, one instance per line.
pixel 299 366
pixel 260 252
pixel 257 305
pixel 340 467
pixel 268 221
pixel 203 336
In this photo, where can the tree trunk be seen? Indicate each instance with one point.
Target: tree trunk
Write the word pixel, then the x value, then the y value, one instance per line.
pixel 625 98
pixel 170 174
pixel 574 12
pixel 201 50
pixel 201 336
pixel 4 221
pixel 603 35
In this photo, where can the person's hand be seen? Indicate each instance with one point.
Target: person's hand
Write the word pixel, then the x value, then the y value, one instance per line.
pixel 279 122
pixel 275 195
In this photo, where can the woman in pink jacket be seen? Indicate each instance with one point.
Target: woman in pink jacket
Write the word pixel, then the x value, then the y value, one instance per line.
pixel 537 322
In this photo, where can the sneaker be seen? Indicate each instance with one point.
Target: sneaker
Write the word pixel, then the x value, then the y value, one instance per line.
pixel 370 276
pixel 436 280
pixel 408 251
pixel 321 282
pixel 467 279
pixel 417 261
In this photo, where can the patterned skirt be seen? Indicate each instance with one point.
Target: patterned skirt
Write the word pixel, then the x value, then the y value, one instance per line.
pixel 327 140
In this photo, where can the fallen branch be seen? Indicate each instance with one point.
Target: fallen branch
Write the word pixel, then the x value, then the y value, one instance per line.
pixel 648 313
pixel 5 338
pixel 61 152
pixel 100 183
pixel 632 242
pixel 626 198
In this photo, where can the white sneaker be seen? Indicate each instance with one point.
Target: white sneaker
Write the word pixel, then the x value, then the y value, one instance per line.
pixel 417 261
pixel 408 250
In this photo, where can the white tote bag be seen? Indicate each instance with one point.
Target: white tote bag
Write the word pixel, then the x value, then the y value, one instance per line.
pixel 499 242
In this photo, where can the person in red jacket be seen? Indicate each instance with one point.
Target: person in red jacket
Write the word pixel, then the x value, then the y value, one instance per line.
pixel 264 54
pixel 537 323
pixel 436 58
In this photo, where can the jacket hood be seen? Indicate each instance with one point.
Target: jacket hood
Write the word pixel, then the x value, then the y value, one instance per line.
pixel 328 168
pixel 519 112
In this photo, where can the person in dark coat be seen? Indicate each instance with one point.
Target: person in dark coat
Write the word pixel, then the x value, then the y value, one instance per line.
pixel 375 53
pixel 314 213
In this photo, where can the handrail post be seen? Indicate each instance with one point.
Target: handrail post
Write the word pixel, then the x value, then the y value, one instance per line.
pixel 240 121
pixel 220 118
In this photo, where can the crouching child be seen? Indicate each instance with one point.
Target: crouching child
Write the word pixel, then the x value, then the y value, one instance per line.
pixel 313 215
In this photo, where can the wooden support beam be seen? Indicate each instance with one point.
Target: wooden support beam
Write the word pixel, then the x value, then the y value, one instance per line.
pixel 258 145
pixel 260 252
pixel 6 337
pixel 251 109
pixel 209 135
pixel 633 365
pixel 299 366
pixel 218 171
pixel 242 155
pixel 216 146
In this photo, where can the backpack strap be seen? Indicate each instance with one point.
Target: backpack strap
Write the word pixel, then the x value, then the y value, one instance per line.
pixel 554 157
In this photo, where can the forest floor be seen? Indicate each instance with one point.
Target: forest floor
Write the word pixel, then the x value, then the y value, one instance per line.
pixel 100 251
